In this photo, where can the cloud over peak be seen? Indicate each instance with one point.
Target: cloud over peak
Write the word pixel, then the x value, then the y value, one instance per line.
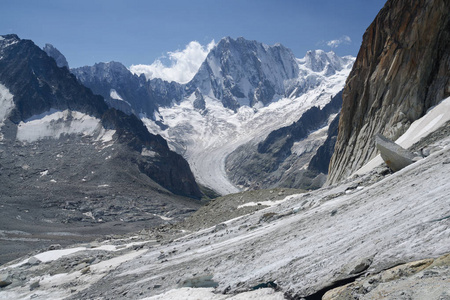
pixel 345 39
pixel 183 64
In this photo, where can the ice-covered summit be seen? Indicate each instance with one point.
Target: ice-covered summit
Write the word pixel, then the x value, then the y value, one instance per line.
pixel 324 62
pixel 242 72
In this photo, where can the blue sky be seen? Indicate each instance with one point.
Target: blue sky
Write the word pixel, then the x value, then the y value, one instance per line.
pixel 139 32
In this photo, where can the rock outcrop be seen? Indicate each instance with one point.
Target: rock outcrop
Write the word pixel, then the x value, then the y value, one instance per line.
pixel 393 154
pixel 60 59
pixel 423 279
pixel 402 70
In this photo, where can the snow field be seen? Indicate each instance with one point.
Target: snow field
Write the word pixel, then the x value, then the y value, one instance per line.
pixel 6 105
pixel 54 124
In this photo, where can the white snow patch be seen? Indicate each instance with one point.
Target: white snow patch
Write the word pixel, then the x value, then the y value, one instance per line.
pixel 6 105
pixel 89 215
pixel 264 203
pixel 164 218
pixel 55 286
pixel 114 95
pixel 53 255
pixel 57 254
pixel 54 124
pixel 149 153
pixel 208 293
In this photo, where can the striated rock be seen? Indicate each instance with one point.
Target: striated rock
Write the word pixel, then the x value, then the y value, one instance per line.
pixel 4 280
pixel 402 69
pixel 34 285
pixel 34 261
pixel 393 154
pixel 423 279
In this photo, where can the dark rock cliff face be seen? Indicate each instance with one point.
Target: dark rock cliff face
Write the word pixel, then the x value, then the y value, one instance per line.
pixel 321 160
pixel 126 91
pixel 402 69
pixel 39 86
pixel 273 163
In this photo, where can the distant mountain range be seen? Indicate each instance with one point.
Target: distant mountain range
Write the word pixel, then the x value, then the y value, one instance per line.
pixel 237 74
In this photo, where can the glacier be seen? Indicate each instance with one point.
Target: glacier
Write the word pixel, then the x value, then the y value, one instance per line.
pixel 205 138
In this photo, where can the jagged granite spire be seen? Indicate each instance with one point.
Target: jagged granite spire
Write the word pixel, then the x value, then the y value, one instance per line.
pixel 60 59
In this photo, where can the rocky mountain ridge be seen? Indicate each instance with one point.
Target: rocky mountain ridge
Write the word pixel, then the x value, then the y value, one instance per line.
pixel 60 59
pixel 83 164
pixel 283 158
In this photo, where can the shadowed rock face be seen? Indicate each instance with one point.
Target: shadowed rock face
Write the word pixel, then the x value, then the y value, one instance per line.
pixel 39 86
pixel 275 162
pixel 402 69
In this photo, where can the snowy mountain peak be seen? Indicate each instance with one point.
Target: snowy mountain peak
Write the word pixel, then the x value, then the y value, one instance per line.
pixel 108 71
pixel 8 40
pixel 243 72
pixel 326 62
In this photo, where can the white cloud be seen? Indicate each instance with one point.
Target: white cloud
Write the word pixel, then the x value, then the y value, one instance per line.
pixel 183 64
pixel 345 39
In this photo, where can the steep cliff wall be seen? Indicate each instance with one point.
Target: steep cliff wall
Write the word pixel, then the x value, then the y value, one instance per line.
pixel 402 69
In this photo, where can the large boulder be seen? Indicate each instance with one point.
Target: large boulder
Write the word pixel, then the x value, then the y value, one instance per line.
pixel 393 154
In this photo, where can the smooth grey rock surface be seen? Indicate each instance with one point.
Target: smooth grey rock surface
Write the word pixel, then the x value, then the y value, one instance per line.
pixel 393 154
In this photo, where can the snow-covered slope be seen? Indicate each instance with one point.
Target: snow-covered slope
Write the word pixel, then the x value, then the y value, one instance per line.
pixel 54 124
pixel 435 118
pixel 6 105
pixel 242 72
pixel 300 246
pixel 206 136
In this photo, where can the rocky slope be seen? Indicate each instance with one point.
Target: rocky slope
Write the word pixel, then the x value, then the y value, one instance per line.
pixel 400 72
pixel 379 233
pixel 68 161
pixel 282 158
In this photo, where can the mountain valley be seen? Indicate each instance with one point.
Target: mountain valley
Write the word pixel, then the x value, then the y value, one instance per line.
pixel 259 178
